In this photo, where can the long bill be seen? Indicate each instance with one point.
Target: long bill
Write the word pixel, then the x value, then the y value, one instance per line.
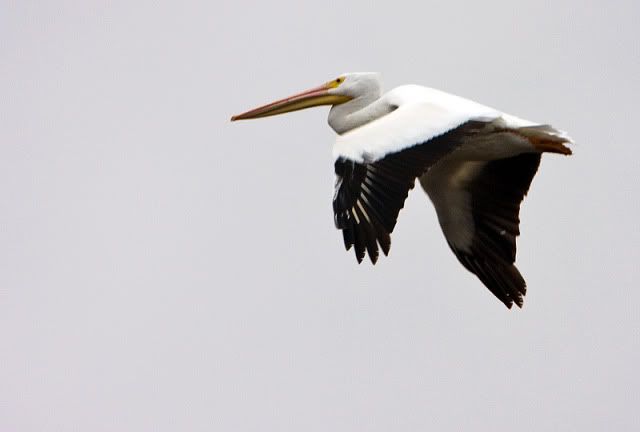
pixel 314 97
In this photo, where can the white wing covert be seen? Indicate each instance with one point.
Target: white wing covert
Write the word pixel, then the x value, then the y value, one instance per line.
pixel 420 115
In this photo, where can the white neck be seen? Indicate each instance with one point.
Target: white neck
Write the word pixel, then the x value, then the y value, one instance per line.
pixel 357 112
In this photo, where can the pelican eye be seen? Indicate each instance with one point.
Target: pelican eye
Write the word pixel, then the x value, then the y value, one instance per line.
pixel 335 83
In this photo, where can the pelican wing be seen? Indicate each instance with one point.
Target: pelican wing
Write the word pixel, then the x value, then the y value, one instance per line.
pixel 478 205
pixel 369 195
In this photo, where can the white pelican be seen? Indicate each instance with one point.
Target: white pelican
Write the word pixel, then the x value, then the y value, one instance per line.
pixel 475 163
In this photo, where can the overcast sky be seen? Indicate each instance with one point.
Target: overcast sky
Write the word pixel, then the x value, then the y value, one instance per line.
pixel 164 269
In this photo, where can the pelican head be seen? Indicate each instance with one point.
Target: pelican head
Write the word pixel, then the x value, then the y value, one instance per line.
pixel 335 92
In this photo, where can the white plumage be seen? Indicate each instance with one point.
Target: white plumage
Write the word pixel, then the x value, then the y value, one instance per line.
pixel 474 162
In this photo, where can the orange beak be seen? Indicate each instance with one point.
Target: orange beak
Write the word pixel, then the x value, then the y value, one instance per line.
pixel 310 98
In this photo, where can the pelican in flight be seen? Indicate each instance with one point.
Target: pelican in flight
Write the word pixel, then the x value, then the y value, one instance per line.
pixel 475 163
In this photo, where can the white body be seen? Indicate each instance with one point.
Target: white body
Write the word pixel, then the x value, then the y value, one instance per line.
pixel 423 113
pixel 475 163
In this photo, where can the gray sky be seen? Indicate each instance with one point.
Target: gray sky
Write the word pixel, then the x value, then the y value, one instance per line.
pixel 163 269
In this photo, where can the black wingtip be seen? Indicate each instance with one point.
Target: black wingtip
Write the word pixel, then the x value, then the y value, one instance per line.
pixel 519 301
pixel 503 279
pixel 385 243
pixel 348 239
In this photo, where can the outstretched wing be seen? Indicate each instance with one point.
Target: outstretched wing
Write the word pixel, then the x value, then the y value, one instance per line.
pixel 479 215
pixel 369 195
